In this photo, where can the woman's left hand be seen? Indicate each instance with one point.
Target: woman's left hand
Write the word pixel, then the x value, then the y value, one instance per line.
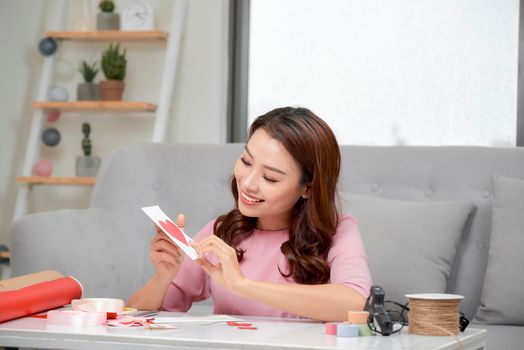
pixel 227 272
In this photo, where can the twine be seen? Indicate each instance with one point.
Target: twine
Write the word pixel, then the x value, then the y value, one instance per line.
pixel 434 317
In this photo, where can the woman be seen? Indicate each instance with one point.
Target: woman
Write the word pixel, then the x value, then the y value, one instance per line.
pixel 283 251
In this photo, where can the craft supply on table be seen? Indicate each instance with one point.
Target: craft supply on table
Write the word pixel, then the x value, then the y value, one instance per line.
pixel 98 305
pixel 360 318
pixel 347 330
pixel 37 297
pixel 75 318
pixel 331 328
pixel 197 319
pixel 434 314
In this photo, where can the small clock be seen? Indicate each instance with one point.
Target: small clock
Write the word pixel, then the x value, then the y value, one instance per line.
pixel 137 15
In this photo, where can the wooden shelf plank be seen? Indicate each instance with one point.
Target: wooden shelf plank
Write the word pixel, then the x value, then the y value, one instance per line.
pixel 5 255
pixel 57 180
pixel 110 106
pixel 118 35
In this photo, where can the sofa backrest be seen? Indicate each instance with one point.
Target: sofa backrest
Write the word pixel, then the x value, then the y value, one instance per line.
pixel 194 179
pixel 439 173
pixel 180 178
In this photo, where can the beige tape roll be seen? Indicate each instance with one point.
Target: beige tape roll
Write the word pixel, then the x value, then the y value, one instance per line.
pixel 98 305
pixel 358 317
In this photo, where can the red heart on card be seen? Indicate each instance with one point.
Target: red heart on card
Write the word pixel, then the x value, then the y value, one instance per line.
pixel 173 230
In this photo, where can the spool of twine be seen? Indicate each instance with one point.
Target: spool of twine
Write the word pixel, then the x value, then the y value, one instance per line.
pixel 434 314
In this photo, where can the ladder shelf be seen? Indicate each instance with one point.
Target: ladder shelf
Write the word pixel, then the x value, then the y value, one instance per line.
pixel 84 106
pixel 161 109
pixel 57 180
pixel 117 35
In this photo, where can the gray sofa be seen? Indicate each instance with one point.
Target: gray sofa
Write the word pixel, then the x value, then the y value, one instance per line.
pixel 425 214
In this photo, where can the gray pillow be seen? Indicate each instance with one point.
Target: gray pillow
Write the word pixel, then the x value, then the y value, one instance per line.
pixel 411 245
pixel 502 299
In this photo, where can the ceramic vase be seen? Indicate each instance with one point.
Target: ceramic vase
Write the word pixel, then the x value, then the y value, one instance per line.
pixel 87 165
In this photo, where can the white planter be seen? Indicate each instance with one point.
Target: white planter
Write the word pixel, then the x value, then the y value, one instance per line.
pixel 107 21
pixel 87 165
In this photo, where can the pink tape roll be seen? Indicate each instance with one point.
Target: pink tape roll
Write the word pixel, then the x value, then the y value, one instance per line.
pixel 331 328
pixel 75 318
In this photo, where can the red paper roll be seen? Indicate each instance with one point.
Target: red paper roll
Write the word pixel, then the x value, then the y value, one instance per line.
pixel 38 297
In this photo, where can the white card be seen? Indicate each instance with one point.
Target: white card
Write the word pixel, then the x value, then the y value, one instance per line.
pixel 171 230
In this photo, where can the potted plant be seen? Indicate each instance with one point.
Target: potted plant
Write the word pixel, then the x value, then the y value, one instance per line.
pixel 107 19
pixel 87 165
pixel 87 90
pixel 114 68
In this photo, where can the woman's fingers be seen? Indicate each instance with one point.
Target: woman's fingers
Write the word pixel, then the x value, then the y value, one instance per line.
pixel 216 246
pixel 167 247
pixel 159 257
pixel 181 221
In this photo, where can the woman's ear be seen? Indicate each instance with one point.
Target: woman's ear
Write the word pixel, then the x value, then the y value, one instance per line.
pixel 305 194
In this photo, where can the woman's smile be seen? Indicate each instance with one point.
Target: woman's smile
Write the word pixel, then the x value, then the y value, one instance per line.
pixel 249 200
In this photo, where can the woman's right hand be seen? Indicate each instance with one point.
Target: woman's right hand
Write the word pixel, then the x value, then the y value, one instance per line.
pixel 164 254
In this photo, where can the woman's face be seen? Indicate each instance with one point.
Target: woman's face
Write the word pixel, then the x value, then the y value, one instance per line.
pixel 268 181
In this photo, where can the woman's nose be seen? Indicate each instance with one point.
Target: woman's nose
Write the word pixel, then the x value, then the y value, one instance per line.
pixel 250 182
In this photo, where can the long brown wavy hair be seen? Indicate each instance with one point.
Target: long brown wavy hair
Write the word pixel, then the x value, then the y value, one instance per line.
pixel 314 219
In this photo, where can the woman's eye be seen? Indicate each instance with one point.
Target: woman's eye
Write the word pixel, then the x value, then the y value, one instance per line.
pixel 245 161
pixel 270 180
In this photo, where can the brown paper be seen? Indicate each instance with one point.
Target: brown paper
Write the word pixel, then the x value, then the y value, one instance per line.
pixel 28 280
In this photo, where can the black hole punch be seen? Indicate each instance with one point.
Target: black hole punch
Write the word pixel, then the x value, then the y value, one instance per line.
pixel 463 322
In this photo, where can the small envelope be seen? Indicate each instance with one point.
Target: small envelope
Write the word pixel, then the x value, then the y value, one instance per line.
pixel 171 230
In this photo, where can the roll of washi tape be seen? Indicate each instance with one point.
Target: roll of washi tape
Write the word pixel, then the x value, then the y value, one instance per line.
pixel 98 305
pixel 75 318
pixel 364 330
pixel 331 328
pixel 358 317
pixel 347 330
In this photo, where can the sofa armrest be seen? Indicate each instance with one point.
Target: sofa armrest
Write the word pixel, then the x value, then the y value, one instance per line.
pixel 88 244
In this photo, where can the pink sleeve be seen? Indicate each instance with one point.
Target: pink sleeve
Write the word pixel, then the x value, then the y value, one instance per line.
pixel 348 259
pixel 191 283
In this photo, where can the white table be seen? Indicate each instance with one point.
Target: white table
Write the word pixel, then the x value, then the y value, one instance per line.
pixel 272 333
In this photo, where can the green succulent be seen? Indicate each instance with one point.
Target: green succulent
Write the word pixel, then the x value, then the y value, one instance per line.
pixel 88 71
pixel 106 6
pixel 86 141
pixel 114 62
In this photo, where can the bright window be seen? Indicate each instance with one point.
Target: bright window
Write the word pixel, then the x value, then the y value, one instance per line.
pixel 440 72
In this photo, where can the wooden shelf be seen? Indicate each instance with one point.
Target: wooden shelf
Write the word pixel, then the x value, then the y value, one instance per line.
pixel 83 106
pixel 57 180
pixel 5 255
pixel 152 35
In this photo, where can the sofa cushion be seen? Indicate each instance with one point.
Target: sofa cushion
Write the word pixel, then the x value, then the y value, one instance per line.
pixel 502 299
pixel 411 245
pixel 502 337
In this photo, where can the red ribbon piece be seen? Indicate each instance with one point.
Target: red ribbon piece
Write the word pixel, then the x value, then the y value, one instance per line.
pixel 241 325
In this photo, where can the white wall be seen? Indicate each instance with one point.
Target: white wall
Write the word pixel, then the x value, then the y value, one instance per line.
pixel 199 98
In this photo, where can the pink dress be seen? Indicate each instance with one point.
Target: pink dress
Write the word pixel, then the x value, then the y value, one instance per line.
pixel 262 257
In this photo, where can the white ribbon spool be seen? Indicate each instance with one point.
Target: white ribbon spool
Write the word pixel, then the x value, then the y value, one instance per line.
pixel 98 305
